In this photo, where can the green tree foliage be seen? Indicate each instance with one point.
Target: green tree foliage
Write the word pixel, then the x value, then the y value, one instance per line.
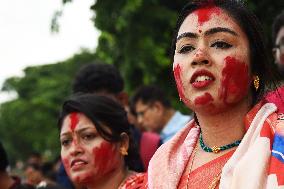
pixel 28 123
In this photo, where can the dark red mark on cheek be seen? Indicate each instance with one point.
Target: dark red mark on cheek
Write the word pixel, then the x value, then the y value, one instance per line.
pixel 66 164
pixel 205 13
pixel 204 99
pixel 177 75
pixel 74 120
pixel 235 80
pixel 105 158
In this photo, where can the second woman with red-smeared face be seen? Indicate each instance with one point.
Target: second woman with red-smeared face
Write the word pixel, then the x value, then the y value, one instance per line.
pixel 96 147
pixel 222 73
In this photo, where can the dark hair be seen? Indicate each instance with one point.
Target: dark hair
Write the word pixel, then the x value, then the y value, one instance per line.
pixel 3 159
pixel 149 94
pixel 278 23
pixel 103 112
pixel 250 25
pixel 98 77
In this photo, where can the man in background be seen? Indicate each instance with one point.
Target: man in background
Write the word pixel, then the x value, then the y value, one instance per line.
pixel 155 113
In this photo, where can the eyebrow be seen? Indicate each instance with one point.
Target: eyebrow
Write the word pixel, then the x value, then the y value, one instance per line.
pixel 78 131
pixel 208 32
pixel 220 29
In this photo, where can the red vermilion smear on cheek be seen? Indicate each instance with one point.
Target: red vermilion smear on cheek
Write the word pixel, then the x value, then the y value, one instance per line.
pixel 105 158
pixel 66 164
pixel 177 75
pixel 205 13
pixel 282 59
pixel 204 99
pixel 74 120
pixel 235 79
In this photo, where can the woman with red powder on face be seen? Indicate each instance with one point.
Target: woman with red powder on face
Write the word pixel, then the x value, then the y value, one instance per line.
pixel 96 146
pixel 221 70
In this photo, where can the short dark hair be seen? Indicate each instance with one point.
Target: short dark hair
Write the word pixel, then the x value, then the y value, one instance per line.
pixel 98 77
pixel 3 159
pixel 149 94
pixel 103 112
pixel 278 23
pixel 248 22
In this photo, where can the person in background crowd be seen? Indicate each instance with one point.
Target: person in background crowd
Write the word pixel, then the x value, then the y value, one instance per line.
pixel 222 73
pixel 7 181
pixel 105 79
pixel 96 145
pixel 277 96
pixel 155 113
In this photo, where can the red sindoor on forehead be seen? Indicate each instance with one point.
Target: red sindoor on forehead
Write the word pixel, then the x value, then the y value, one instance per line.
pixel 74 120
pixel 205 13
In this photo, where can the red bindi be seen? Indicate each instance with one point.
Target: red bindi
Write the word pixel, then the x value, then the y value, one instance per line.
pixel 235 79
pixel 204 99
pixel 205 13
pixel 74 120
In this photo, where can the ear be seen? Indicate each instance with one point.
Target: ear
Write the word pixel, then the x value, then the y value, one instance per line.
pixel 158 106
pixel 123 98
pixel 124 144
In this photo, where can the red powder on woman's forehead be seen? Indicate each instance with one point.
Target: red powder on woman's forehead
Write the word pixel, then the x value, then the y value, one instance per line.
pixel 204 14
pixel 105 158
pixel 204 99
pixel 74 120
pixel 235 79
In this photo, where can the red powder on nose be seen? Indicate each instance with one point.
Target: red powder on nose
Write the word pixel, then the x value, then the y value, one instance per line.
pixel 105 159
pixel 74 120
pixel 234 79
pixel 205 13
pixel 204 99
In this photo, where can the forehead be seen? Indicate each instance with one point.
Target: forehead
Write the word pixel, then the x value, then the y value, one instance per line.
pixel 79 119
pixel 205 18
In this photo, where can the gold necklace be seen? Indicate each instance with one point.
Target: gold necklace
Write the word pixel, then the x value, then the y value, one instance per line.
pixel 190 168
pixel 216 179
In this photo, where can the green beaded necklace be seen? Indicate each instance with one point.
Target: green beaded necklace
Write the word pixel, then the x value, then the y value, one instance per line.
pixel 217 149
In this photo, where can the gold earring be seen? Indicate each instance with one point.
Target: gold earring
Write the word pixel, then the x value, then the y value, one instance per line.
pixel 256 82
pixel 123 152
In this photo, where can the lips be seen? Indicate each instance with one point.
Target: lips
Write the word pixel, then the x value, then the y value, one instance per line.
pixel 201 79
pixel 77 164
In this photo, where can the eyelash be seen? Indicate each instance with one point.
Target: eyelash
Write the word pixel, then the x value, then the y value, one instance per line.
pixel 185 49
pixel 65 142
pixel 221 45
pixel 218 45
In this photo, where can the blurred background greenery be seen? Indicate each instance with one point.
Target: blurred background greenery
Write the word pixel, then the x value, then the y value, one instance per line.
pixel 135 37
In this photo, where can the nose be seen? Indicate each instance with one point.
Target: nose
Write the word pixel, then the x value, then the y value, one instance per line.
pixel 76 148
pixel 200 58
pixel 139 120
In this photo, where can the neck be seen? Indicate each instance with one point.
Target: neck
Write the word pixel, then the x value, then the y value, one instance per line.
pixel 168 114
pixel 112 180
pixel 5 181
pixel 223 128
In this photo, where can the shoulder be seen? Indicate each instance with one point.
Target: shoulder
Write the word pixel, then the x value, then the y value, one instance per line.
pixel 135 181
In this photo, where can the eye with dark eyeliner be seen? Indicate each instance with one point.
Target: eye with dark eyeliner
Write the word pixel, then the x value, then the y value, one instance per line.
pixel 65 142
pixel 88 136
pixel 186 49
pixel 221 45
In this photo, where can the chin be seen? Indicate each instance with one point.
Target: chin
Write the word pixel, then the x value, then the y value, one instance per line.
pixel 81 177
